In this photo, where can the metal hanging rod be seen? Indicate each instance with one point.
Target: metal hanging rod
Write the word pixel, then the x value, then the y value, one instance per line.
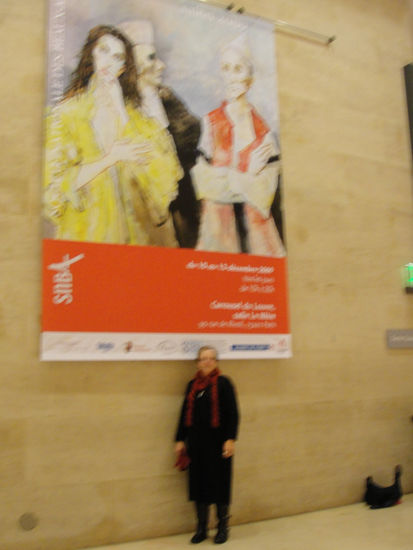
pixel 281 26
pixel 304 33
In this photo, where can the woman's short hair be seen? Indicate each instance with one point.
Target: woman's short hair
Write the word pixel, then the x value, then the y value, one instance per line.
pixel 205 348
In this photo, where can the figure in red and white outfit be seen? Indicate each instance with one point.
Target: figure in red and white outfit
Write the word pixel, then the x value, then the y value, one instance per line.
pixel 236 175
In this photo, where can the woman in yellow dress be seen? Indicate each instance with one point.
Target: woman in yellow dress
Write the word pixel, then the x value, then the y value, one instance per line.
pixel 110 173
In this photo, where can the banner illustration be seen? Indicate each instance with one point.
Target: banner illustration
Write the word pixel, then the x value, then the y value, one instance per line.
pixel 162 209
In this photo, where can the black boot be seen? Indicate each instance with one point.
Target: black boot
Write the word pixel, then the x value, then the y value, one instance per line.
pixel 223 517
pixel 202 515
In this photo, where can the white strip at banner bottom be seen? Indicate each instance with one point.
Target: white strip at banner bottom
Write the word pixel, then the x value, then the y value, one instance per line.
pixel 114 346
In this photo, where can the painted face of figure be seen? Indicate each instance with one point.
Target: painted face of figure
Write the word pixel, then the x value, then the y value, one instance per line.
pixel 207 361
pixel 150 67
pixel 236 74
pixel 109 57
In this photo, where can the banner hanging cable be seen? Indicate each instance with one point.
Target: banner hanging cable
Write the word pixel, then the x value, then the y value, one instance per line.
pixel 281 26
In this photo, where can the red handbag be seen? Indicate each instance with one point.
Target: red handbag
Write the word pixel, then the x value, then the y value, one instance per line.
pixel 183 461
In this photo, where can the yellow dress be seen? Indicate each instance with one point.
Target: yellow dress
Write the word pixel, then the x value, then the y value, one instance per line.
pixel 127 203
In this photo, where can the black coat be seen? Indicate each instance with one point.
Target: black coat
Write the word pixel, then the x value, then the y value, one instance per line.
pixel 209 473
pixel 185 130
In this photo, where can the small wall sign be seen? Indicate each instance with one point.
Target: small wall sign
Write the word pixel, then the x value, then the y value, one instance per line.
pixel 399 338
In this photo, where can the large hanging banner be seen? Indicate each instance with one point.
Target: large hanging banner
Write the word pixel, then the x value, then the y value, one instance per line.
pixel 162 188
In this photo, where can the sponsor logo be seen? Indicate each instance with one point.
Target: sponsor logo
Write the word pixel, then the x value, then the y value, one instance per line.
pixel 282 344
pixel 66 344
pixel 130 347
pixel 127 347
pixel 251 347
pixel 105 346
pixel 63 279
pixel 167 346
pixel 191 347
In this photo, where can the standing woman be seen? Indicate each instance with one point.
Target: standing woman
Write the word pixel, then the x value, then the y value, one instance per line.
pixel 110 173
pixel 207 429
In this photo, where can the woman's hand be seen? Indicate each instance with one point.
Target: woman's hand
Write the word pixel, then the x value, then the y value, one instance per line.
pixel 123 150
pixel 179 447
pixel 228 448
pixel 126 150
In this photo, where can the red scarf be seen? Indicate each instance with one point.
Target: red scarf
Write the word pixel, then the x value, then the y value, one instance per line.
pixel 201 383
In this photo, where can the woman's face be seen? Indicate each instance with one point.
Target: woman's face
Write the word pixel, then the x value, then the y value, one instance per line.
pixel 109 57
pixel 236 74
pixel 207 361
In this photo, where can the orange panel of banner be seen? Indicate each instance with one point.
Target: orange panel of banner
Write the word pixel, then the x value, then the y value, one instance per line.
pixel 118 288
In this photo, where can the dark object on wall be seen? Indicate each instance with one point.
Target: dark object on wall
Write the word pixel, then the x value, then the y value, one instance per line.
pixel 408 77
pixel 28 521
pixel 408 277
pixel 383 497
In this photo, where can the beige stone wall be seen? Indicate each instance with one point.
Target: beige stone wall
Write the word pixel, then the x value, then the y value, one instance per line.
pixel 87 448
